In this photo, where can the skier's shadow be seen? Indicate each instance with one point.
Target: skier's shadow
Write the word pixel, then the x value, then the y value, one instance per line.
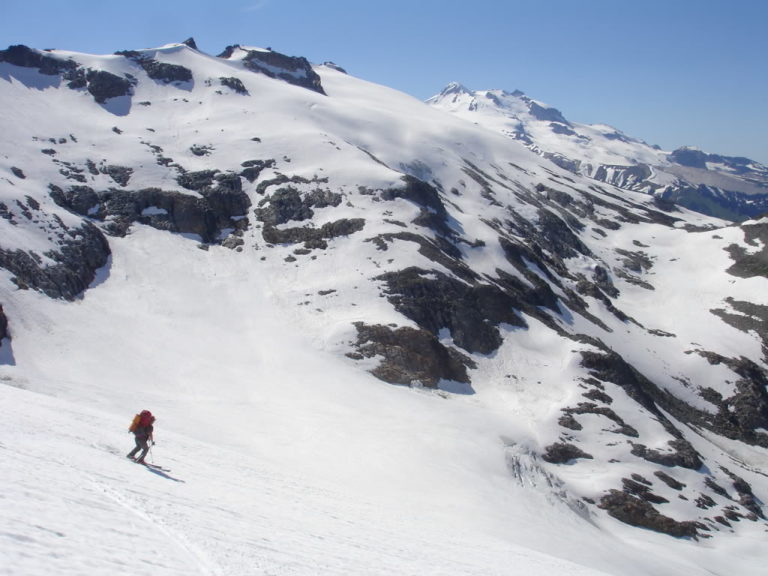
pixel 163 474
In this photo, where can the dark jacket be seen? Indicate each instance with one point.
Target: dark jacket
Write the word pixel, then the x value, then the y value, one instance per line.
pixel 144 432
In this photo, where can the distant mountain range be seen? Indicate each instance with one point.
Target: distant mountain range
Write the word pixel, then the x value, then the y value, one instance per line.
pixel 722 186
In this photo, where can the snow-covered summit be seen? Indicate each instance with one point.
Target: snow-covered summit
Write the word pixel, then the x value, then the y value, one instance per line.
pixel 734 188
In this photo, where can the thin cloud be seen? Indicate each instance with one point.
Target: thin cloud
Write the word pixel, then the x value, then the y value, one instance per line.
pixel 255 6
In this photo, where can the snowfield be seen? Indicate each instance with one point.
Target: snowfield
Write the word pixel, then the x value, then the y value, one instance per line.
pixel 279 454
pixel 305 466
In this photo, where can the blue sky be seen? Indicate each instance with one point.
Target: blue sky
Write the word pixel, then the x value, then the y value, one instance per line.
pixel 673 72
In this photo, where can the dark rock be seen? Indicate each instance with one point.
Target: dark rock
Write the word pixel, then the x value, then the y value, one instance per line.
pixel 17 172
pixel 636 512
pixel 746 496
pixel 25 57
pixel 603 281
pixel 558 128
pixel 640 478
pixel 610 367
pixel 294 70
pixel 590 408
pixel 196 180
pixel 235 84
pixel 560 160
pixel 253 168
pixel 4 333
pixel 705 502
pixel 410 355
pixel 637 262
pixel 81 252
pixel 689 157
pixel 313 237
pixel 160 71
pixel 742 415
pixel 546 114
pixel 200 150
pixel 80 199
pixel 598 395
pixel 433 214
pixel 288 204
pixel 727 204
pixel 205 216
pixel 562 453
pixel 716 488
pixel 668 480
pixel 104 85
pixel 628 177
pixel 438 250
pixel 164 72
pixel 191 43
pixel 284 205
pixel 435 301
pixel 749 265
pixel 730 513
pixel 568 421
pixel 684 454
pixel 723 521
pixel 334 66
pixel 747 317
pixel 120 174
pixel 283 179
pixel 642 491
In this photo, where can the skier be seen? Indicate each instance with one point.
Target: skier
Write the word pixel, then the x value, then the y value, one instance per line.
pixel 142 429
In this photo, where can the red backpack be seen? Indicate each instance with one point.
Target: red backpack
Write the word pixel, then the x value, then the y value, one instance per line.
pixel 146 418
pixel 142 419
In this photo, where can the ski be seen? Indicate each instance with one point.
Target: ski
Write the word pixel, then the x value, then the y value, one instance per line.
pixel 154 466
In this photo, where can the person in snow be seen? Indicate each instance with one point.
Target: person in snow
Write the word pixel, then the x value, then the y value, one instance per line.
pixel 142 428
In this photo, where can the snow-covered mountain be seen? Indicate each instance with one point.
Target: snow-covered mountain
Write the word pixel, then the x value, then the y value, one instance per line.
pixel 378 338
pixel 727 187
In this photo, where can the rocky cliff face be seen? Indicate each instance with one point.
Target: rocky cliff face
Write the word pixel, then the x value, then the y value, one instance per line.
pixel 632 330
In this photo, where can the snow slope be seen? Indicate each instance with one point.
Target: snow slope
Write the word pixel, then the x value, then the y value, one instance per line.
pixel 274 467
pixel 282 454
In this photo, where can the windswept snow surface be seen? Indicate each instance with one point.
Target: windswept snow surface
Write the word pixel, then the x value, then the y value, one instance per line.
pixel 282 456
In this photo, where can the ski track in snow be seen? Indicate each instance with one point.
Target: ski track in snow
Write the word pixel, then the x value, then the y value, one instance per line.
pixel 229 516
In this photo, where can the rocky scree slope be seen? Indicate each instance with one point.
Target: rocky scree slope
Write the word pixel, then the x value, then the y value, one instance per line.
pixel 630 333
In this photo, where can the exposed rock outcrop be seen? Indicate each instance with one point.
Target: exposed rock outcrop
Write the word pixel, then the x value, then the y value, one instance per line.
pixel 436 301
pixel 637 512
pixel 410 356
pixel 159 71
pixel 292 69
pixel 69 270
pixel 221 201
pixel 104 85
pixel 25 57
pixel 563 453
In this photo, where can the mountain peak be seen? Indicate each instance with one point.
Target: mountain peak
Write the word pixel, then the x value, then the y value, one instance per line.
pixel 455 88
